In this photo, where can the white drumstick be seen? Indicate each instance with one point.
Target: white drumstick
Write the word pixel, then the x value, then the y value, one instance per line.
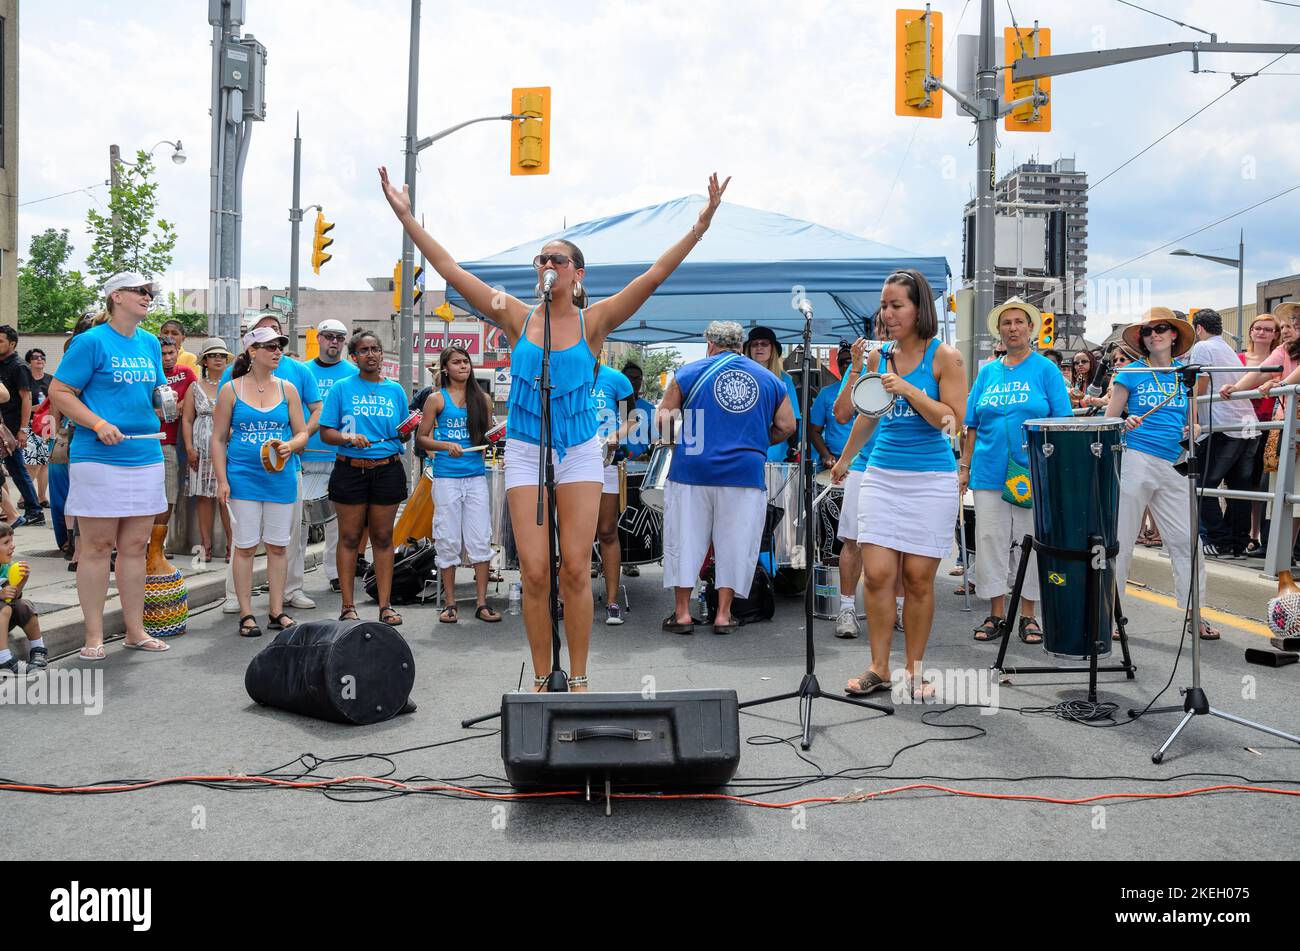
pixel 825 492
pixel 229 508
pixel 147 436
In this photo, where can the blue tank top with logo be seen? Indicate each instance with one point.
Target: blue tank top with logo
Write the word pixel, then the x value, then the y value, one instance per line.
pixel 453 426
pixel 1160 433
pixel 905 440
pixel 728 404
pixel 250 428
pixel 573 416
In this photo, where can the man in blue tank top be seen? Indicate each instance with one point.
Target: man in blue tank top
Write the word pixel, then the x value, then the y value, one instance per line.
pixel 731 410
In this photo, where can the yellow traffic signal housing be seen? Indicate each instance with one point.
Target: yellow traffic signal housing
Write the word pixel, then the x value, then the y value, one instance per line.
pixel 397 287
pixel 1047 331
pixel 320 242
pixel 918 36
pixel 1018 44
pixel 530 138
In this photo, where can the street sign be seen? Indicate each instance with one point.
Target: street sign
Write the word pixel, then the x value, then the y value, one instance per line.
pixel 284 303
pixel 501 384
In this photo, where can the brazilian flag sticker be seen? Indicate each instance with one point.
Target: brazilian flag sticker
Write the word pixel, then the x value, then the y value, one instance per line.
pixel 1019 488
pixel 1056 579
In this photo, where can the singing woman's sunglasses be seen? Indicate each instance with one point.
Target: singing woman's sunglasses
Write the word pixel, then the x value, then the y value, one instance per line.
pixel 1157 329
pixel 559 260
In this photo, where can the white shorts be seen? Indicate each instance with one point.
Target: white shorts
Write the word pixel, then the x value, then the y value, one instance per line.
pixel 254 522
pixel 461 520
pixel 611 481
pixel 910 512
pixel 729 517
pixel 98 490
pixel 584 462
pixel 848 525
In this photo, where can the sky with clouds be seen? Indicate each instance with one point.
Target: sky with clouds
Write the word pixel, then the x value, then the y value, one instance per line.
pixel 794 100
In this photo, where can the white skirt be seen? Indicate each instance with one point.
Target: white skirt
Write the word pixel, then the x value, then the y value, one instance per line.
pixel 98 490
pixel 910 512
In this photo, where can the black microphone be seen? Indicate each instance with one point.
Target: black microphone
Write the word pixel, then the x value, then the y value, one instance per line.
pixel 1094 385
pixel 548 281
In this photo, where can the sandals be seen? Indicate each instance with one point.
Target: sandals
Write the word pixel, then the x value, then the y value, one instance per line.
pixel 991 629
pixel 578 682
pixel 253 631
pixel 150 645
pixel 485 613
pixel 390 617
pixel 924 693
pixel 1209 633
pixel 671 625
pixel 539 684
pixel 92 653
pixel 869 682
pixel 448 615
pixel 1034 636
pixel 964 587
pixel 349 613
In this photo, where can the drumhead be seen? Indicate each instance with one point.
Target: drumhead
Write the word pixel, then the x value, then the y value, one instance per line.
pixel 870 398
pixel 1075 423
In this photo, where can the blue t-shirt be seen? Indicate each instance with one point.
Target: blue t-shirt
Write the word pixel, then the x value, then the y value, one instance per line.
pixel 1001 400
pixel 609 390
pixel 781 450
pixel 728 405
pixel 906 441
pixel 250 427
pixel 453 426
pixel 325 377
pixel 1160 432
pixel 822 414
pixel 642 431
pixel 116 376
pixel 374 410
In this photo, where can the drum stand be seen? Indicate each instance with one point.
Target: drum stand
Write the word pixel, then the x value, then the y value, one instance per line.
pixel 1093 594
pixel 809 689
pixel 1196 702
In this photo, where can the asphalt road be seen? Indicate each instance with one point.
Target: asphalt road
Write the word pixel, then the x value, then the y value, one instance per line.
pixel 186 713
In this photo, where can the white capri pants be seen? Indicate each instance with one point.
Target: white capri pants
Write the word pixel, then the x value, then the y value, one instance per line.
pixel 999 529
pixel 461 520
pixel 1149 481
pixel 847 528
pixel 255 522
pixel 297 550
pixel 730 517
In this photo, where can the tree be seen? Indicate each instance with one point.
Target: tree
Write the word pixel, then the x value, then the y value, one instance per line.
pixel 50 299
pixel 653 362
pixel 129 238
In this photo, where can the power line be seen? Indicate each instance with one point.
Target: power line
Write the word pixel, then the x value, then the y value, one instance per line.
pixel 1163 17
pixel 1283 3
pixel 37 201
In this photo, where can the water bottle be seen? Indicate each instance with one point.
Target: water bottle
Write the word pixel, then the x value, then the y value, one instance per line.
pixel 703 601
pixel 516 594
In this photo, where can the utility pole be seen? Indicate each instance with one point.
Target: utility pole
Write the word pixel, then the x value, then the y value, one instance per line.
pixel 295 219
pixel 987 101
pixel 405 331
pixel 114 179
pixel 422 296
pixel 1241 287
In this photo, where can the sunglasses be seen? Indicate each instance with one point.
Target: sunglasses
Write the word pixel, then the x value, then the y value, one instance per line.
pixel 143 291
pixel 559 260
pixel 1157 329
pixel 274 347
pixel 332 338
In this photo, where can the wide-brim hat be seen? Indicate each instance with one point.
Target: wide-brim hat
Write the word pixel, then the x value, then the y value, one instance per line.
pixel 1160 315
pixel 213 345
pixel 1287 310
pixel 1013 303
pixel 763 333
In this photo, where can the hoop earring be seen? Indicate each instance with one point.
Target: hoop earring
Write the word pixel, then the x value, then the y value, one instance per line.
pixel 579 293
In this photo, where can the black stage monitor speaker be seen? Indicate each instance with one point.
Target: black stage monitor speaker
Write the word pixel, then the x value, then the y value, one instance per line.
pixel 342 671
pixel 678 738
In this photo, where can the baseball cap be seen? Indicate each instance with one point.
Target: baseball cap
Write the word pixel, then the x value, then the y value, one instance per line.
pixel 331 326
pixel 123 279
pixel 263 335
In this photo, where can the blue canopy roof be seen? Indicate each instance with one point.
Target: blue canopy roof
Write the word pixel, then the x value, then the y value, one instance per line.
pixel 745 270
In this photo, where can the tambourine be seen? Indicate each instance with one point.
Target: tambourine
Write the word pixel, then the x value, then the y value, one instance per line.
pixel 166 402
pixel 496 434
pixel 410 424
pixel 870 398
pixel 272 461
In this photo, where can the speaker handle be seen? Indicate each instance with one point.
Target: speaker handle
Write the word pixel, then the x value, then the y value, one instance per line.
pixel 603 732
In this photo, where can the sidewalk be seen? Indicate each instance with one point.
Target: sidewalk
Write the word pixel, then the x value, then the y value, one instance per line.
pixel 52 589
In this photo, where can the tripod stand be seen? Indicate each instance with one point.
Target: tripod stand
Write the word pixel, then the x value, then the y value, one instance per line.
pixel 1196 702
pixel 809 688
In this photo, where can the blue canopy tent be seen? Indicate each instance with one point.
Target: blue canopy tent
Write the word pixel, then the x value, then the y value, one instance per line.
pixel 745 270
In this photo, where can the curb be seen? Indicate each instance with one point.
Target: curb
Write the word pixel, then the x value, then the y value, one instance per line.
pixel 1235 588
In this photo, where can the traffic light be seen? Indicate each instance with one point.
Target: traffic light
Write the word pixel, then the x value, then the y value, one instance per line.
pixel 1018 44
pixel 918 62
pixel 1047 331
pixel 397 287
pixel 530 138
pixel 320 242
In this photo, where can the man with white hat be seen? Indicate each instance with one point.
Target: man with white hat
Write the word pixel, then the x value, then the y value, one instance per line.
pixel 295 372
pixel 328 368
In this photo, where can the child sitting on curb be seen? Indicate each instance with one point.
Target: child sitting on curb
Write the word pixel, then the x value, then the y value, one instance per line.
pixel 15 611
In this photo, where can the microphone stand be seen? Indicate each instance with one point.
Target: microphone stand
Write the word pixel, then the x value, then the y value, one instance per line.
pixel 1196 702
pixel 809 689
pixel 557 681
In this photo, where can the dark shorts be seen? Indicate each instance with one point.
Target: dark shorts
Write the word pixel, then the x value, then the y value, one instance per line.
pixel 22 613
pixel 382 485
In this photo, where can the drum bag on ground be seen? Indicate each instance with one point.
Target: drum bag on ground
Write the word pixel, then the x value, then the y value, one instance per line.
pixel 413 567
pixel 342 671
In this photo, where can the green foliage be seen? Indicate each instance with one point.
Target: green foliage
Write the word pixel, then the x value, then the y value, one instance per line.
pixel 50 299
pixel 139 242
pixel 653 362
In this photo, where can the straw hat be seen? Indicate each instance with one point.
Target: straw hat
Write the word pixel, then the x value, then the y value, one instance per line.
pixel 1288 310
pixel 1160 315
pixel 1013 303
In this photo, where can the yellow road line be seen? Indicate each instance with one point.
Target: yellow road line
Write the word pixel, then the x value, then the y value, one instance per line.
pixel 1208 614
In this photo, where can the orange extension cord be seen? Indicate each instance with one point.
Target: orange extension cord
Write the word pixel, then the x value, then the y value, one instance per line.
pixel 860 796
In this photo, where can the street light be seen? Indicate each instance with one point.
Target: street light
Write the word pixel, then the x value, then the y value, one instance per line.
pixel 115 159
pixel 1239 262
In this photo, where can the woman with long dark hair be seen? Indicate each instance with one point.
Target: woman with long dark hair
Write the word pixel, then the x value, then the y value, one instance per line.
pixel 577 334
pixel 908 497
pixel 361 417
pixel 456 420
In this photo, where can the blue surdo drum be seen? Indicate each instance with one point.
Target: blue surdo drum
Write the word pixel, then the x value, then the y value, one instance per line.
pixel 1074 466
